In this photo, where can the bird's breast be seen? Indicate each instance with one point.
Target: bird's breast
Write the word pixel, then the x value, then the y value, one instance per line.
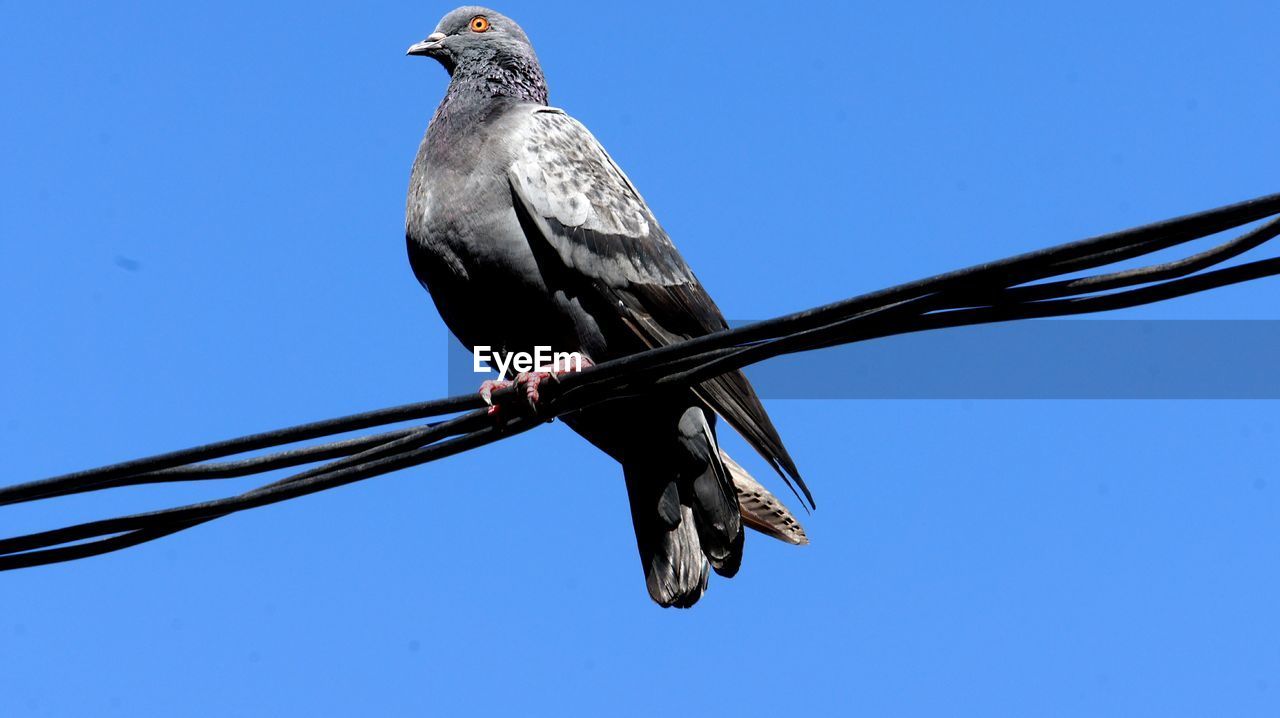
pixel 468 248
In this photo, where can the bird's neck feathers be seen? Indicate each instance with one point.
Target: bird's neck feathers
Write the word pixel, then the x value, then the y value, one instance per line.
pixel 499 76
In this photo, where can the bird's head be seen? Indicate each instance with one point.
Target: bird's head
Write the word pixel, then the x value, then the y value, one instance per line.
pixel 474 36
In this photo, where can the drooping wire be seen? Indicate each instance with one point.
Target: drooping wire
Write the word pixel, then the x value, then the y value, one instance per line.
pixel 1015 288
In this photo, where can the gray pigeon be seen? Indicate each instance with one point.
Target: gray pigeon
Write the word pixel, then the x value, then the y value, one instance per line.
pixel 526 234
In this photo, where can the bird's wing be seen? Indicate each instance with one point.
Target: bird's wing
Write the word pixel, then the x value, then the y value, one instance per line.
pixel 573 198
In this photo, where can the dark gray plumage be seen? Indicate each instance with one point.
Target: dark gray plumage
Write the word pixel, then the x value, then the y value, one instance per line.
pixel 526 234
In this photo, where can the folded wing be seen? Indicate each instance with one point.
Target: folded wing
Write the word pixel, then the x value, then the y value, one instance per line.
pixel 580 208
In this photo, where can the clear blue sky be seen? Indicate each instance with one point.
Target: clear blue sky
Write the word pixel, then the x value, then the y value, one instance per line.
pixel 201 235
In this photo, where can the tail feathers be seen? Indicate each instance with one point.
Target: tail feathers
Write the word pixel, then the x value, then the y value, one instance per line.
pixel 713 497
pixel 684 507
pixel 761 510
pixel 732 561
pixel 675 570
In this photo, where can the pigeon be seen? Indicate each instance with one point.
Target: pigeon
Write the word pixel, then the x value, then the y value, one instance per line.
pixel 527 234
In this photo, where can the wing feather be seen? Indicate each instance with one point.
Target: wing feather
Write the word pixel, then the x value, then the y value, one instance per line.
pixel 586 209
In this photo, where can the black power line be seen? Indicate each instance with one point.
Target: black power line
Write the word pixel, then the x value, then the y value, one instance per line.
pixel 1021 287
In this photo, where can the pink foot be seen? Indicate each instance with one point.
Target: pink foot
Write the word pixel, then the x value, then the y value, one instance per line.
pixel 487 389
pixel 530 381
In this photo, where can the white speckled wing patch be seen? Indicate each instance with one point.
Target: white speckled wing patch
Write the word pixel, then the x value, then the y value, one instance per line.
pixel 586 206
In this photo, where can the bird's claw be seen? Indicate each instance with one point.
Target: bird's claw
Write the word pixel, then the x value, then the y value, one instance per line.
pixel 530 381
pixel 487 389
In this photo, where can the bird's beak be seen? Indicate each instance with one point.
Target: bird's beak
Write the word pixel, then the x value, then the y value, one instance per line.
pixel 427 47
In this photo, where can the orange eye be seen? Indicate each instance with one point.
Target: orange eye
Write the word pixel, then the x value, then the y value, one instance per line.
pixel 479 23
